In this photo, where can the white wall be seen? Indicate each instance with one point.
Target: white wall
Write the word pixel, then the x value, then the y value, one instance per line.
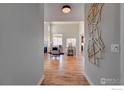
pixel 109 67
pixel 21 41
pixel 81 33
pixel 122 42
pixel 69 30
pixel 46 33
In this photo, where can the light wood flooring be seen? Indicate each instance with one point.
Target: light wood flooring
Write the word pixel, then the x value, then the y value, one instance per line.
pixel 64 70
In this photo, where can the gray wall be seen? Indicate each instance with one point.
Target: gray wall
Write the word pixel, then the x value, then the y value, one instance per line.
pixel 122 42
pixel 21 38
pixel 109 66
pixel 53 12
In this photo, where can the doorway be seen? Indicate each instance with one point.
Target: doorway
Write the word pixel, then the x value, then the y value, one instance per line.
pixel 65 68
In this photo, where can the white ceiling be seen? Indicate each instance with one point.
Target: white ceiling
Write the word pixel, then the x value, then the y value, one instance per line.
pixel 52 12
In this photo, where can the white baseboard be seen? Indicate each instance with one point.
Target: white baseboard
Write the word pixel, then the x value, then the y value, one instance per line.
pixel 41 80
pixel 89 80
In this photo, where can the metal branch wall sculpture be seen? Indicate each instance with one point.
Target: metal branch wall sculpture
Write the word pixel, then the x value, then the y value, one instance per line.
pixel 95 43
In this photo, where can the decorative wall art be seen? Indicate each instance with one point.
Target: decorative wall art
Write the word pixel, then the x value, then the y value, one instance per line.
pixel 95 43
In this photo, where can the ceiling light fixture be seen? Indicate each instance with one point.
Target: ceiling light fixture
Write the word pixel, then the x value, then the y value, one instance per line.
pixel 66 9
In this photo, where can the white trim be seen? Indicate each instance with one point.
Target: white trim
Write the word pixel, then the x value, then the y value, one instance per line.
pixel 89 80
pixel 64 22
pixel 41 80
pixel 67 22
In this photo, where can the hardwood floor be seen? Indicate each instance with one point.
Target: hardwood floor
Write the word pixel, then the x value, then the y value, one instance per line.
pixel 64 70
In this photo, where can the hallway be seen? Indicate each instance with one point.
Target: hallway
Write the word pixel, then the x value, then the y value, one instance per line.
pixel 64 70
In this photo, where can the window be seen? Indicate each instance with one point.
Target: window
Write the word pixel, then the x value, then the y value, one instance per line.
pixel 71 42
pixel 57 39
